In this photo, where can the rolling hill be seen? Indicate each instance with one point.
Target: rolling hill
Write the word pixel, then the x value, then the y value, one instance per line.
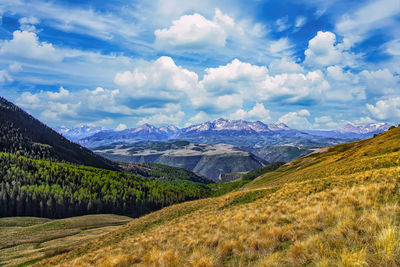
pixel 22 134
pixel 339 206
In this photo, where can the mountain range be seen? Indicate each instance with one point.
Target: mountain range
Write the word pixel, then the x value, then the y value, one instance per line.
pixel 234 132
pixel 350 131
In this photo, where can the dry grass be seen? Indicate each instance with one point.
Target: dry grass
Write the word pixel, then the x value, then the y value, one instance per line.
pixel 336 208
pixel 28 239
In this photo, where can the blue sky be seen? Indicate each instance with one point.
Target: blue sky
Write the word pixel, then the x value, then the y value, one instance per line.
pixel 311 64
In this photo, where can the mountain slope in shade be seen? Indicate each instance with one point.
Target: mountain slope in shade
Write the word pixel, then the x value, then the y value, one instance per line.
pixel 22 134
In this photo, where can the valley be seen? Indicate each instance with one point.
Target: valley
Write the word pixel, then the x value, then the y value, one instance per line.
pixel 208 160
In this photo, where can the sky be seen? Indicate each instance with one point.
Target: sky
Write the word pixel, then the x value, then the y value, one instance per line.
pixel 310 64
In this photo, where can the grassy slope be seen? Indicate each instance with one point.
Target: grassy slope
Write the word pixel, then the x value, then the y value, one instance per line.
pixel 334 208
pixel 28 239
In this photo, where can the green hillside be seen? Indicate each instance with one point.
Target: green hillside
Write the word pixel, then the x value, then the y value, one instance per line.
pixel 163 172
pixel 22 134
pixel 42 188
pixel 337 207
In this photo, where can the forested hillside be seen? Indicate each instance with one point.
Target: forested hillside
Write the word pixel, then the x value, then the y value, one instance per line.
pixel 22 134
pixel 42 188
pixel 163 172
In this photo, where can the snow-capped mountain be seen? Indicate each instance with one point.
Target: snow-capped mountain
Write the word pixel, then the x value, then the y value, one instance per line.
pixel 363 129
pixel 235 125
pixel 75 134
pixel 353 132
pixel 234 132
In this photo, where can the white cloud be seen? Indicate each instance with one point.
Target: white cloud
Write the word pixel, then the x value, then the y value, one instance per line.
pixel 233 76
pixel 258 112
pixel 15 67
pixel 295 87
pixel 393 47
pixel 324 51
pixel 28 23
pixel 282 24
pixel 300 21
pixel 280 46
pixel 196 31
pixel 200 117
pixel 363 120
pixel 345 86
pixel 163 119
pixel 327 123
pixel 380 82
pixel 376 14
pixel 285 65
pixel 121 127
pixel 296 120
pixel 161 79
pixel 86 21
pixel 386 109
pixel 27 45
pixel 5 77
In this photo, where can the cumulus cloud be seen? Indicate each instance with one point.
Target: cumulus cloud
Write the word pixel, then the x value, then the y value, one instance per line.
pixel 26 44
pixel 162 80
pixel 296 120
pixel 285 65
pixel 324 51
pixel 295 87
pixel 233 76
pixel 258 112
pixel 386 109
pixel 28 23
pixel 196 31
pixel 163 119
pixel 85 105
pixel 380 82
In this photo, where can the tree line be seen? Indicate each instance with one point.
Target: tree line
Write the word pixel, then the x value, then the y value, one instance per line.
pixel 40 188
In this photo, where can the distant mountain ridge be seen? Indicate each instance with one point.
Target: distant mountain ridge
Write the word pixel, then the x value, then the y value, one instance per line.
pixel 350 131
pixel 75 134
pixel 234 132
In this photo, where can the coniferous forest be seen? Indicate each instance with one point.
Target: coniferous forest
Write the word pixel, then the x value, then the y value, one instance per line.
pixel 42 188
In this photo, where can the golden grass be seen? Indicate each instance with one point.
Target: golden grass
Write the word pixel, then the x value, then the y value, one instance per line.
pixel 336 208
pixel 28 239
